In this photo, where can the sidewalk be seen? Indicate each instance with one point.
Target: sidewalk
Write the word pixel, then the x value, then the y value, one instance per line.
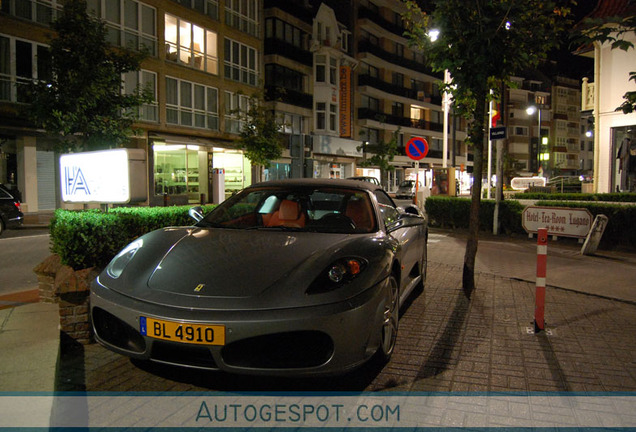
pixel 607 274
pixel 446 342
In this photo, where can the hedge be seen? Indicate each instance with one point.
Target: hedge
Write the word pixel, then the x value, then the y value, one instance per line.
pixel 620 231
pixel 91 238
pixel 448 212
pixel 600 197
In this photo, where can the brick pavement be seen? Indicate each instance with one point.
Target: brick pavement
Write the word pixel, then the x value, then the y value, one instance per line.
pixel 446 343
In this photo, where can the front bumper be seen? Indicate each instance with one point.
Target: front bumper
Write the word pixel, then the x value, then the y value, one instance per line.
pixel 15 222
pixel 319 340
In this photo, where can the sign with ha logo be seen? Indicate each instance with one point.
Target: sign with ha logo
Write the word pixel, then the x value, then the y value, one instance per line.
pixel 115 176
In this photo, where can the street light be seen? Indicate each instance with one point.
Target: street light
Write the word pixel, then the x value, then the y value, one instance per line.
pixel 530 111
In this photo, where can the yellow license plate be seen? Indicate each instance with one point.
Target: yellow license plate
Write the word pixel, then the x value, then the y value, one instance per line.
pixel 202 334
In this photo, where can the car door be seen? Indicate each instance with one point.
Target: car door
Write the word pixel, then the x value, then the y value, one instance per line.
pixel 411 237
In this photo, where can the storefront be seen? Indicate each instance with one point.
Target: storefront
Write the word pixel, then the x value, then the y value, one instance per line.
pixel 182 173
pixel 624 151
pixel 28 169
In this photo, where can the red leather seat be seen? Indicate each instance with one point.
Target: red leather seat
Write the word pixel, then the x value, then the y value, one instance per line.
pixel 288 214
pixel 360 213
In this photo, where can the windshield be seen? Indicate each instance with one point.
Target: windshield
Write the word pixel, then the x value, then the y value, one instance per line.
pixel 407 183
pixel 299 209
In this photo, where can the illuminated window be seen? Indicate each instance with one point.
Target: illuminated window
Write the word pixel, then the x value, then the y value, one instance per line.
pixel 176 170
pixel 191 45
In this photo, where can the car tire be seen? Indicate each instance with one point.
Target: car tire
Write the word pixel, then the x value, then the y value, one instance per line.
pixel 390 320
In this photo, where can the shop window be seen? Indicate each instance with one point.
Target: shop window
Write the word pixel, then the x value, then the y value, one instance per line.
pixel 176 170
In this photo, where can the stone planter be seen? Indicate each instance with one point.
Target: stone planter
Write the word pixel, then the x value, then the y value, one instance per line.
pixel 59 283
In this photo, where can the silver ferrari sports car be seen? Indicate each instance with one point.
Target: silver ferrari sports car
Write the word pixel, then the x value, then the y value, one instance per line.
pixel 293 277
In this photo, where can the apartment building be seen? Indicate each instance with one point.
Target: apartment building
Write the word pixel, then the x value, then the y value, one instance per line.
pixel 529 124
pixel 566 134
pixel 205 60
pixel 396 91
pixel 340 74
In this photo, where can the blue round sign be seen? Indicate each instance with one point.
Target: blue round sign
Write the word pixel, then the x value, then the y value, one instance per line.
pixel 417 148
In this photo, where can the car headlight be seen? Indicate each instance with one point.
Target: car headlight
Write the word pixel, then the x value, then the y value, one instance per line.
pixel 119 263
pixel 337 274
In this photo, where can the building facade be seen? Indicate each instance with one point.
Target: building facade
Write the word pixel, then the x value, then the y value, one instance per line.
pixel 337 74
pixel 205 59
pixel 614 131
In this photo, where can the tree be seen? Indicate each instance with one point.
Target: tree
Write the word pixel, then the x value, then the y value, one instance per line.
pixel 383 154
pixel 260 136
pixel 82 102
pixel 483 43
pixel 611 30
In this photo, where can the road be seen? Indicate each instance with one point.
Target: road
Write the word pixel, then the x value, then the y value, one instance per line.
pixel 20 251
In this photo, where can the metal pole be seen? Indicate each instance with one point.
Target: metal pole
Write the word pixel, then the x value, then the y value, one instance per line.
pixel 445 135
pixel 542 259
pixel 488 184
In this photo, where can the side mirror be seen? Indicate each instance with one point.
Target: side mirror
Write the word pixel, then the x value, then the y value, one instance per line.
pixel 413 210
pixel 407 220
pixel 196 213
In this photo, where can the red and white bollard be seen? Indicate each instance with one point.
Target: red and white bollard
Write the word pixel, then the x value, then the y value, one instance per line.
pixel 542 260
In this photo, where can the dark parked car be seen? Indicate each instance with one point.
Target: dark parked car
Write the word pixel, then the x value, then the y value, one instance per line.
pixel 292 277
pixel 10 212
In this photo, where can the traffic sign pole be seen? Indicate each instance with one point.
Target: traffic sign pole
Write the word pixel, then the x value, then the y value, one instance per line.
pixel 417 180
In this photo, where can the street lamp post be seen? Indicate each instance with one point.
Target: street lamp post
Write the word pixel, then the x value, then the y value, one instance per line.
pixel 530 111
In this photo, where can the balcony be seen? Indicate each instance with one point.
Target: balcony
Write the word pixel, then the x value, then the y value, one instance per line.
pixel 587 95
pixel 292 7
pixel 366 46
pixel 289 96
pixel 368 80
pixel 366 13
pixel 278 47
pixel 369 114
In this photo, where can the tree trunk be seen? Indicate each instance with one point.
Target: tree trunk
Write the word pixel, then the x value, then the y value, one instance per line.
pixel 477 139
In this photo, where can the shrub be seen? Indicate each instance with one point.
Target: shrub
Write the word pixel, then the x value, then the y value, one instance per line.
pixel 450 212
pixel 91 238
pixel 620 230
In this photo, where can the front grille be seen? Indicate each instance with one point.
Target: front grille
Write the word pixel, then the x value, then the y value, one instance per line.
pixel 111 329
pixel 301 349
pixel 183 354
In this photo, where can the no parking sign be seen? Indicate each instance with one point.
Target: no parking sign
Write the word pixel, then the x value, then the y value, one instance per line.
pixel 417 148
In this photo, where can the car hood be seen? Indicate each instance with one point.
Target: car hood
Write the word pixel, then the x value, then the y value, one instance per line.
pixel 213 268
